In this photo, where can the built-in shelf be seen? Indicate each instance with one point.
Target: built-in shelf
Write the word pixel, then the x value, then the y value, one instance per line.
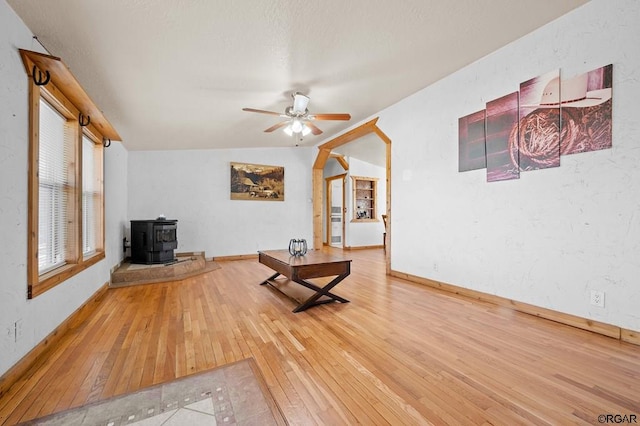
pixel 364 199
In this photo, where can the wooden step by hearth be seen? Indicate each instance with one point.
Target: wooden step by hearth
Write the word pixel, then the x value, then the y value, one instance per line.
pixel 184 265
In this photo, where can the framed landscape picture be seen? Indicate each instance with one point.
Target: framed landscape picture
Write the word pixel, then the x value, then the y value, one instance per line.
pixel 257 182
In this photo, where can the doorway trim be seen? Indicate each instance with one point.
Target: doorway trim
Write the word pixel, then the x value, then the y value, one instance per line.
pixel 324 154
pixel 329 198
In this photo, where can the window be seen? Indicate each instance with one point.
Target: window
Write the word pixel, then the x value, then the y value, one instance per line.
pixel 66 205
pixel 53 185
pixel 92 196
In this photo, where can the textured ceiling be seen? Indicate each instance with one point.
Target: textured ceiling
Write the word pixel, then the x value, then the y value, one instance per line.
pixel 369 148
pixel 175 74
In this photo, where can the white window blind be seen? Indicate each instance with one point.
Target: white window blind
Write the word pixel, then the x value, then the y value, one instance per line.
pixel 53 185
pixel 90 194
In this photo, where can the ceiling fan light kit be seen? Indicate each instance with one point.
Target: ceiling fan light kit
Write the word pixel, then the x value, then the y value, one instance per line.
pixel 298 117
pixel 297 127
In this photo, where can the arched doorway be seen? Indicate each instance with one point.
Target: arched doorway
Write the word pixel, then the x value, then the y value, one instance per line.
pixel 324 154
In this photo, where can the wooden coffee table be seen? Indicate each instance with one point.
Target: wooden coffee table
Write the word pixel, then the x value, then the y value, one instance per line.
pixel 298 270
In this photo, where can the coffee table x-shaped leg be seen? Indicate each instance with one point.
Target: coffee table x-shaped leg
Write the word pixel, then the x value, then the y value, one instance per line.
pixel 299 270
pixel 319 292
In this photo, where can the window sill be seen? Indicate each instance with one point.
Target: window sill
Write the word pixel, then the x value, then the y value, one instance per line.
pixel 58 275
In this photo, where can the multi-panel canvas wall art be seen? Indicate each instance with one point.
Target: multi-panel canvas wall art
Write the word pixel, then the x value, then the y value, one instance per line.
pixel 538 133
pixel 586 111
pixel 257 182
pixel 502 155
pixel 471 149
pixel 531 129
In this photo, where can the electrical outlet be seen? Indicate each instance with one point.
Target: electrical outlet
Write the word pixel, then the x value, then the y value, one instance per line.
pixel 435 266
pixel 597 298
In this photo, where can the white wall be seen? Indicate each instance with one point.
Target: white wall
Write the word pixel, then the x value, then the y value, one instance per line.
pixel 115 188
pixel 553 235
pixel 361 234
pixel 39 316
pixel 193 187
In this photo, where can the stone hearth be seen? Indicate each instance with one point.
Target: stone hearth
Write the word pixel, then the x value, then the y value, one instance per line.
pixel 184 266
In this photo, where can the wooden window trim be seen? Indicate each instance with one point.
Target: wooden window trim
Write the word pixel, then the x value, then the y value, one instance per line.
pixel 63 79
pixel 53 278
pixel 68 97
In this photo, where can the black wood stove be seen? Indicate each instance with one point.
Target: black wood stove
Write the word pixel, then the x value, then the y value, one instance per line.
pixel 153 241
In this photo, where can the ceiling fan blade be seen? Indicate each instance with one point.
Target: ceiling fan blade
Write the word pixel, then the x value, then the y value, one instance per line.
pixel 277 126
pixel 314 129
pixel 329 117
pixel 261 111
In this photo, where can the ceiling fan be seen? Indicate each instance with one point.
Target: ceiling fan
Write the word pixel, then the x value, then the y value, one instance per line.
pixel 298 120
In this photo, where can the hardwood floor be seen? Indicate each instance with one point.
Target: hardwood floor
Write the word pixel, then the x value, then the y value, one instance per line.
pixel 399 353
